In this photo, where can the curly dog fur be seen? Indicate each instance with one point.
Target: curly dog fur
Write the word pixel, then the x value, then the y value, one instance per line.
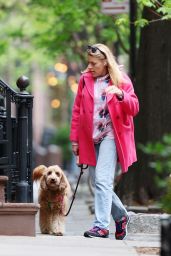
pixel 54 193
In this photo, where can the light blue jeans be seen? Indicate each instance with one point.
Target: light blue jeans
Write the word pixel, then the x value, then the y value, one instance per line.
pixel 106 201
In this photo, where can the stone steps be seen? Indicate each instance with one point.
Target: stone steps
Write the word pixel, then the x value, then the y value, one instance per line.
pixel 16 219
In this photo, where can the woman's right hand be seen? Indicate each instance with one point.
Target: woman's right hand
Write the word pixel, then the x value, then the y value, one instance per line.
pixel 75 148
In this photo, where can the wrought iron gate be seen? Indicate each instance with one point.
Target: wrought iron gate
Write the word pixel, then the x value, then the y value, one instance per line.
pixel 16 140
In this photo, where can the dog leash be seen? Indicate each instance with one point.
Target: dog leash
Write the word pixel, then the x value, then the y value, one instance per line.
pixel 73 198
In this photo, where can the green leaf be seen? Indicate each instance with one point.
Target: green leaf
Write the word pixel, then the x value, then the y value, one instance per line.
pixel 147 3
pixel 141 23
pixel 121 21
pixel 3 46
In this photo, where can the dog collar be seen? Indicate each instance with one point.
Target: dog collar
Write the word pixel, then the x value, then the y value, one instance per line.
pixel 58 202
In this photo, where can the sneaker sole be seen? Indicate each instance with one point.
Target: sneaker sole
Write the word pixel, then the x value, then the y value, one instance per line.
pixel 89 236
pixel 97 236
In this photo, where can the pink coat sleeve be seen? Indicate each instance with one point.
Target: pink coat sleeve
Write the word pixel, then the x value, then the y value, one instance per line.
pixel 76 112
pixel 130 102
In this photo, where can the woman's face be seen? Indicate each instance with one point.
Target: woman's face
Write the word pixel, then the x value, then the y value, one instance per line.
pixel 98 67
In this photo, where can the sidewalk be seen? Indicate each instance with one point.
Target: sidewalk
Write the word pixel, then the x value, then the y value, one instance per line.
pixel 73 243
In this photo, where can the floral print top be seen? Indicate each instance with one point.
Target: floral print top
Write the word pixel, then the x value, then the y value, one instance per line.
pixel 101 118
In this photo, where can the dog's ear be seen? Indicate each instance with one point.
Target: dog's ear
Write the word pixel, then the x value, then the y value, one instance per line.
pixel 64 184
pixel 43 183
pixel 38 172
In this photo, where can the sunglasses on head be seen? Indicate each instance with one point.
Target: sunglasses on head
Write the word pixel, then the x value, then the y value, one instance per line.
pixel 94 49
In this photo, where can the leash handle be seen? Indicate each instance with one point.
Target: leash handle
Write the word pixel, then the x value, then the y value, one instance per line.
pixel 83 167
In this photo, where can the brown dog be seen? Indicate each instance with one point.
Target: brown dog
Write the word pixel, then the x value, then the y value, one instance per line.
pixel 53 198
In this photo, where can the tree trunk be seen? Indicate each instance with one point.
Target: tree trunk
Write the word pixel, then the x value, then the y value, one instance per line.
pixel 153 88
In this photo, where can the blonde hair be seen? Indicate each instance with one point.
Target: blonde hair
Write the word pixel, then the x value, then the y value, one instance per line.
pixel 112 66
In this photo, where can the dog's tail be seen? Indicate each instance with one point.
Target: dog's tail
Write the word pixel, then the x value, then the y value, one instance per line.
pixel 38 172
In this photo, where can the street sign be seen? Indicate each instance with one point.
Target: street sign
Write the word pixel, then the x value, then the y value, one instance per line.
pixel 114 6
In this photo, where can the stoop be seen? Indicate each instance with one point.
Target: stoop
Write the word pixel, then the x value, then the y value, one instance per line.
pixel 16 219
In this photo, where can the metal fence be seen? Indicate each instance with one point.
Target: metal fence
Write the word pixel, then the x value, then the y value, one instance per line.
pixel 16 140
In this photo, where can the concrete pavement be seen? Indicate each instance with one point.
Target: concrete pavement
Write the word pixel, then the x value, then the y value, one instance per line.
pixel 73 243
pixel 63 246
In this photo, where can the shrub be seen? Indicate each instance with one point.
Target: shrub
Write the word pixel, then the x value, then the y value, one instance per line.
pixel 161 163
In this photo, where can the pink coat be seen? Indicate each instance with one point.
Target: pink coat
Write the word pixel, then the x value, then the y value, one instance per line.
pixel 121 113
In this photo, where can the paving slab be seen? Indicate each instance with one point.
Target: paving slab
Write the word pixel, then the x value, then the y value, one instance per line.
pixel 43 245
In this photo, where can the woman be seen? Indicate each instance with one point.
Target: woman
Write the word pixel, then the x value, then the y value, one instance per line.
pixel 102 134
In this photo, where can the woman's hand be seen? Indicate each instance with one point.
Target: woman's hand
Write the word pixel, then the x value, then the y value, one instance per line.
pixel 114 90
pixel 75 148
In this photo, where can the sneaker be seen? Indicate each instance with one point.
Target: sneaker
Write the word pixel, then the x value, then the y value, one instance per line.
pixel 121 228
pixel 97 232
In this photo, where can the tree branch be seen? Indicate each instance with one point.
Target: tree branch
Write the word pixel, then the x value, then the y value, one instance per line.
pixel 121 42
pixel 77 48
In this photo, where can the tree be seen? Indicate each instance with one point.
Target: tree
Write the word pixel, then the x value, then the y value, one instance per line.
pixel 71 26
pixel 153 87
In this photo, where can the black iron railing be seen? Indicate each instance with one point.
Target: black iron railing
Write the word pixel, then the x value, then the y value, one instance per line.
pixel 16 140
